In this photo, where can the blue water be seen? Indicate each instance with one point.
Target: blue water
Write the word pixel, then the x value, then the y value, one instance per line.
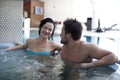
pixel 18 65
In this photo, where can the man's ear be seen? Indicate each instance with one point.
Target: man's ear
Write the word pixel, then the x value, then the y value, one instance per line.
pixel 68 35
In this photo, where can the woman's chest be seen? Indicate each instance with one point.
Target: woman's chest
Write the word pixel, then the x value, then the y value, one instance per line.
pixel 40 47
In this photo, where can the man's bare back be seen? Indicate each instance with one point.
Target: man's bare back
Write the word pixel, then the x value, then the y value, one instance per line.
pixel 81 53
pixel 77 54
pixel 85 53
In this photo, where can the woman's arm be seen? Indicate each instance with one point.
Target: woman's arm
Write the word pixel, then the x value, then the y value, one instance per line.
pixel 56 50
pixel 19 46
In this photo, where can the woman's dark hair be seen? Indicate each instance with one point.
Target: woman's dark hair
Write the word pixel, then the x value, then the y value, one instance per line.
pixel 73 27
pixel 44 21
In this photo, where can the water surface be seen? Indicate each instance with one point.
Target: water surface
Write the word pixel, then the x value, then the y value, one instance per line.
pixel 18 65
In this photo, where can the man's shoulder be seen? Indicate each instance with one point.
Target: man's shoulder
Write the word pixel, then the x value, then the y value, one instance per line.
pixel 83 43
pixel 88 45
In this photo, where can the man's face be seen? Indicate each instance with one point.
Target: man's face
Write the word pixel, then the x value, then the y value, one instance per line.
pixel 63 36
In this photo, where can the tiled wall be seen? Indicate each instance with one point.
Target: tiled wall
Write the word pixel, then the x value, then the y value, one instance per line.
pixel 11 20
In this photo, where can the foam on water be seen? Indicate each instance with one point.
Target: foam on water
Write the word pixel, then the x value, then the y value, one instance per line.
pixel 18 65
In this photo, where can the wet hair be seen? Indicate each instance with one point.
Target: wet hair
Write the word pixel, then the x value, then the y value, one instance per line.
pixel 44 21
pixel 73 27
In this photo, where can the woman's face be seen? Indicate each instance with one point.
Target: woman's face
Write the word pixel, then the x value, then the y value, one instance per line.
pixel 47 30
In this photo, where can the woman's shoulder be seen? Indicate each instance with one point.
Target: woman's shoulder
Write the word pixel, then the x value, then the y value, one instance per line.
pixel 55 45
pixel 52 43
pixel 30 40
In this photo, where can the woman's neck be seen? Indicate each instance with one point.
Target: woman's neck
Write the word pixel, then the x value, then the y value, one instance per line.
pixel 41 39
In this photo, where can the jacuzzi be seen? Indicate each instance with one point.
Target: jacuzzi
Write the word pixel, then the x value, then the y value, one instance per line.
pixel 18 65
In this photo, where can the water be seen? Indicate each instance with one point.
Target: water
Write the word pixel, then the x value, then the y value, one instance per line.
pixel 18 65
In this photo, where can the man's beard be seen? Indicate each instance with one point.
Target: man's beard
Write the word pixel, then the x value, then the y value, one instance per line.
pixel 64 42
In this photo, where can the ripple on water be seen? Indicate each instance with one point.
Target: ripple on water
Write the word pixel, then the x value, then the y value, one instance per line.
pixel 18 65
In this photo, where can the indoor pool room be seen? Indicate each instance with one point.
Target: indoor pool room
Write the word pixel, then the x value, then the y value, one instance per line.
pixel 20 20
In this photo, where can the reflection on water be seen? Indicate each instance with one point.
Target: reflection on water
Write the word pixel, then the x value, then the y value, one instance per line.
pixel 18 65
pixel 98 73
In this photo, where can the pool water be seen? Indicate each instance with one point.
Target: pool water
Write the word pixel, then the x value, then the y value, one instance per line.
pixel 18 65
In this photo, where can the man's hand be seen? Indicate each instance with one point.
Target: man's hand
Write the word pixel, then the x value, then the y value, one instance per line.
pixel 83 65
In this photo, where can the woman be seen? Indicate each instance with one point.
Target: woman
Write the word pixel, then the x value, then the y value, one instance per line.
pixel 41 45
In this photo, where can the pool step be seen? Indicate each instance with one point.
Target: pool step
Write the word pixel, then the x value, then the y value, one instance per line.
pixel 115 66
pixel 118 62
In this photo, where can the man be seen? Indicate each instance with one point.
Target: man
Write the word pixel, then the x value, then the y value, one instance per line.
pixel 79 52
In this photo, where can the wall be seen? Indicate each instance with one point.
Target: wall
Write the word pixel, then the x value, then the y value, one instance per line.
pixel 107 10
pixel 26 7
pixel 62 9
pixel 30 6
pixel 35 19
pixel 11 20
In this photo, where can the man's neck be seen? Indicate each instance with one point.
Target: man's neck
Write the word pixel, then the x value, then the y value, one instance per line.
pixel 72 44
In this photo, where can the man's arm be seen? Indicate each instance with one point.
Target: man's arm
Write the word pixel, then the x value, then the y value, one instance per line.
pixel 102 56
pixel 106 60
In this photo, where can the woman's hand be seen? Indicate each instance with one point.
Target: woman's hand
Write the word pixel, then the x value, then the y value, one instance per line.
pixel 7 49
pixel 55 52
